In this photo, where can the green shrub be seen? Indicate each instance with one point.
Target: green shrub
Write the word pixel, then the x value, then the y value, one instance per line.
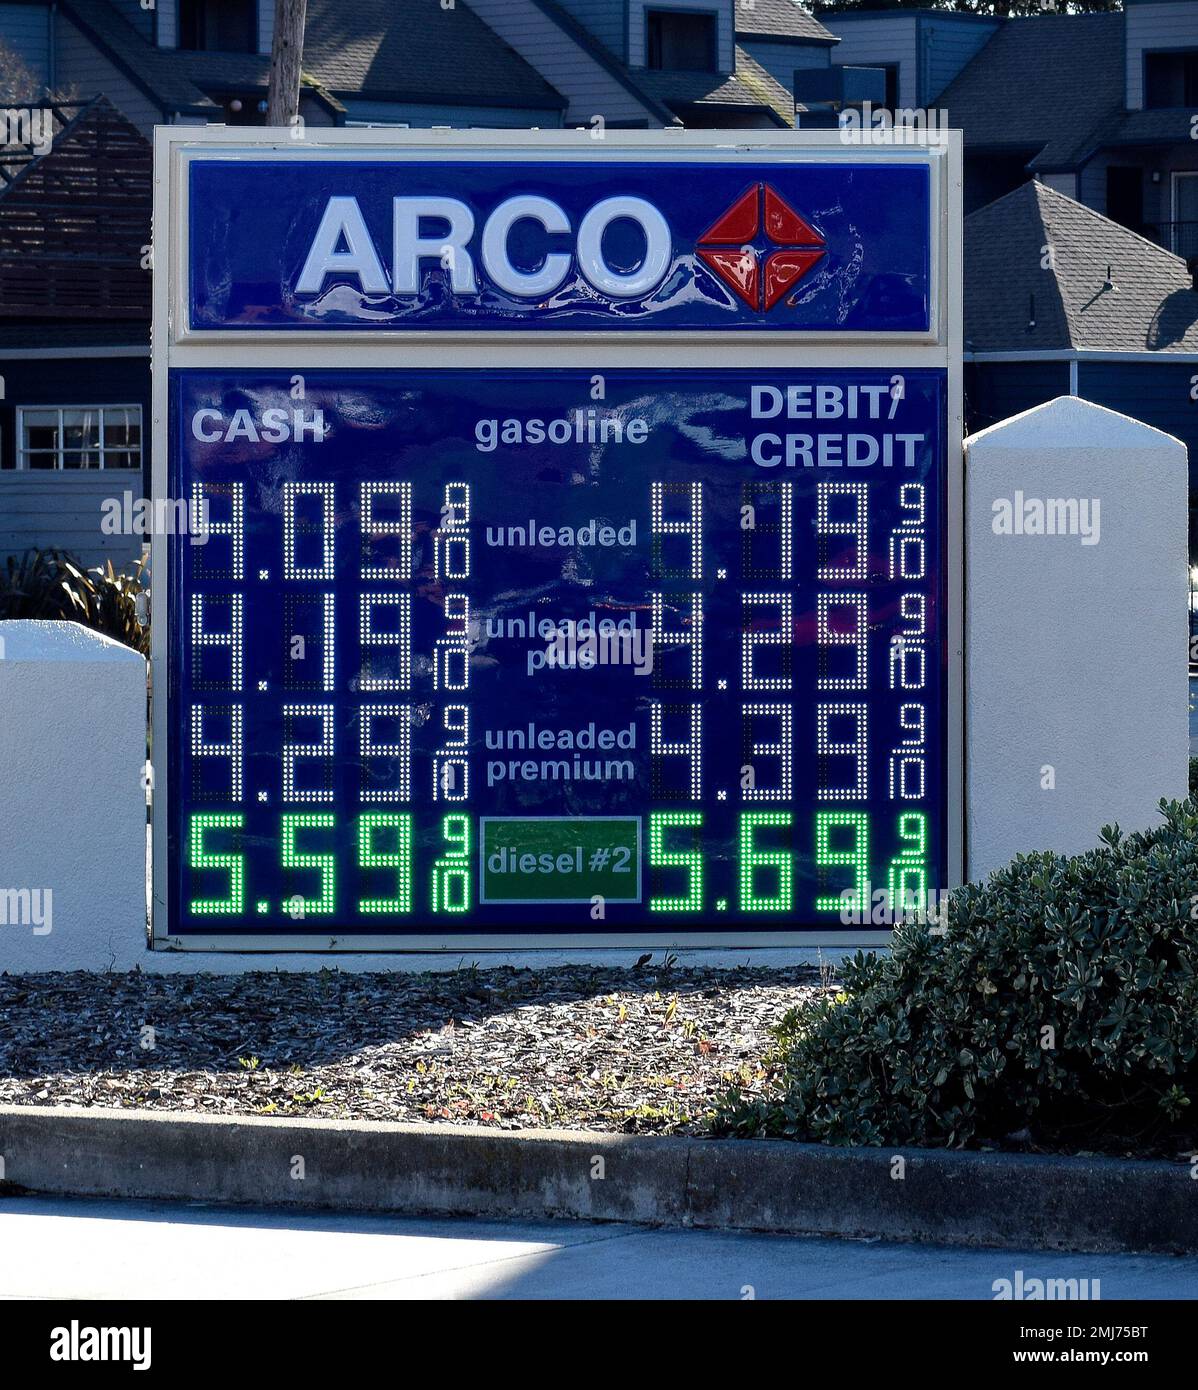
pixel 1057 1003
pixel 52 584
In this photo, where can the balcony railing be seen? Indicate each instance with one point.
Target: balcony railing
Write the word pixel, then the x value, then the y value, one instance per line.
pixel 1179 237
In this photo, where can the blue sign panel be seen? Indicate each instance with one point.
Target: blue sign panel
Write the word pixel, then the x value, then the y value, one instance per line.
pixel 546 651
pixel 561 246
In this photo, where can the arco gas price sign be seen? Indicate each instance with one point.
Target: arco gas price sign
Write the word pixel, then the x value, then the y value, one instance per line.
pixel 581 549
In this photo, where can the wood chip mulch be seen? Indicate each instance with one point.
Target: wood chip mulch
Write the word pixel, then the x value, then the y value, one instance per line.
pixel 647 1050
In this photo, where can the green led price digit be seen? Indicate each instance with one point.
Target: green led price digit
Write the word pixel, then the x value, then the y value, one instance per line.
pixel 399 860
pixel 325 864
pixel 690 860
pixel 910 864
pixel 752 859
pixel 200 858
pixel 451 873
pixel 856 858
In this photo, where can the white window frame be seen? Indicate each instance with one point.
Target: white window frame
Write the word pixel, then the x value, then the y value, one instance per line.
pixel 22 452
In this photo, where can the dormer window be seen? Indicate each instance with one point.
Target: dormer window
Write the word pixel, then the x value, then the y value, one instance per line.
pixel 219 26
pixel 681 41
pixel 1171 79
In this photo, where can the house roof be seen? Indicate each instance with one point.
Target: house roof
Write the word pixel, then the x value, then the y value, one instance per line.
pixel 779 19
pixel 401 50
pixel 411 50
pixel 1148 305
pixel 1168 126
pixel 1046 84
pixel 749 86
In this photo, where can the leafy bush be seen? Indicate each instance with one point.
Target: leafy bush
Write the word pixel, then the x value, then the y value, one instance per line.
pixel 1057 1005
pixel 52 584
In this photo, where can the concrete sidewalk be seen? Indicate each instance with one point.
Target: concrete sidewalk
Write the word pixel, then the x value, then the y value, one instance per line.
pixel 91 1249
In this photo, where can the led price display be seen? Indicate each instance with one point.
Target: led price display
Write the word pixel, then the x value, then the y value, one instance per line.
pixel 556 651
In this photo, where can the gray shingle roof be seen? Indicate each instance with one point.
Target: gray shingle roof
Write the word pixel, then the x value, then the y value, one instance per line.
pixel 414 50
pixel 1165 127
pixel 403 50
pixel 750 85
pixel 1048 84
pixel 1151 305
pixel 775 19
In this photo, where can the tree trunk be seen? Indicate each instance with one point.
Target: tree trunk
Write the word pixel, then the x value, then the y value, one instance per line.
pixel 286 56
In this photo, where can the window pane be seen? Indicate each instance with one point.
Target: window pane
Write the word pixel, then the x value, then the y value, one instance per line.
pixel 121 428
pixel 681 42
pixel 40 429
pixel 40 460
pixel 80 429
pixel 121 459
pixel 81 458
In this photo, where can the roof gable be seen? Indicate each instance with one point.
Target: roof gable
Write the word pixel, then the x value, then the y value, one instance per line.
pixel 1046 84
pixel 1036 277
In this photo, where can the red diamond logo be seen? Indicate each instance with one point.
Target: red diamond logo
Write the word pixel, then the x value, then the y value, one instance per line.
pixel 760 274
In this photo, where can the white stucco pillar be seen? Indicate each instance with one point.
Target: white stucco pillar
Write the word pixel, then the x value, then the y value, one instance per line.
pixel 1076 594
pixel 72 802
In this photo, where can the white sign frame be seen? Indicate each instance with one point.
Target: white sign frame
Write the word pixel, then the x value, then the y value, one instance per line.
pixel 176 345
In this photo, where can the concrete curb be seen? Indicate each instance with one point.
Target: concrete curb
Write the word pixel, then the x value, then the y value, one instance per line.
pixel 1005 1200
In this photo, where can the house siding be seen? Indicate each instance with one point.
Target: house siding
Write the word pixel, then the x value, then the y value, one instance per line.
pixel 168 23
pixel 995 391
pixel 605 19
pixel 80 65
pixel 589 87
pixel 62 509
pixel 26 30
pixel 873 42
pixel 1158 197
pixel 314 112
pixel 946 47
pixel 134 13
pixel 1091 179
pixel 82 380
pixel 1062 183
pixel 1156 392
pixel 783 60
pixel 1154 27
